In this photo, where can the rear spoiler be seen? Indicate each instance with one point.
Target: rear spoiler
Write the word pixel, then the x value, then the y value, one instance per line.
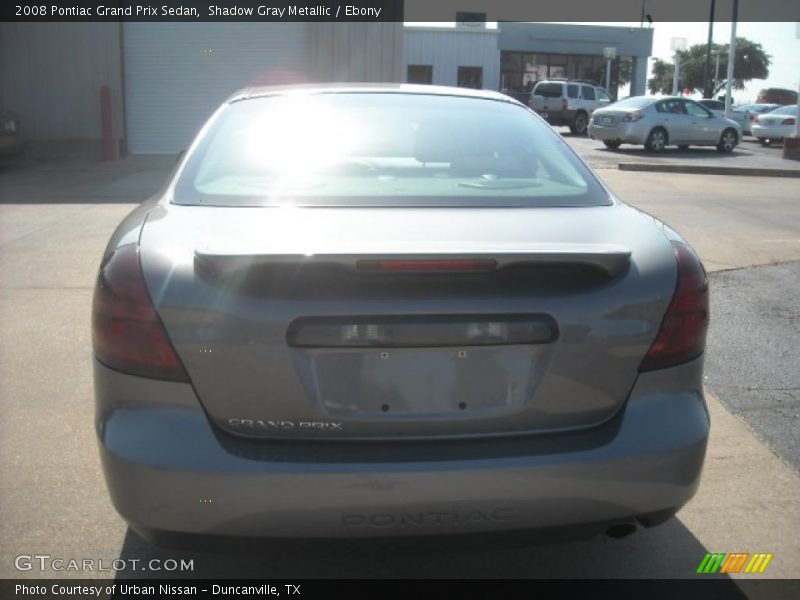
pixel 609 258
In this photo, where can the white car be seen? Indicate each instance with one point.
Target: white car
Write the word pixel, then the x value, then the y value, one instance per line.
pixel 775 125
pixel 658 122
pixel 746 114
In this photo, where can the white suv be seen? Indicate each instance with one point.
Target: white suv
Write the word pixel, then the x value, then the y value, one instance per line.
pixel 568 102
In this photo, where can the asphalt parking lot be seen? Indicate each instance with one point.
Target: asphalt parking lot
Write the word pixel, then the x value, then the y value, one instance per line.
pixel 749 153
pixel 55 218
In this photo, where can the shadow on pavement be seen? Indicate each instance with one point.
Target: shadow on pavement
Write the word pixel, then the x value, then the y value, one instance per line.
pixel 82 181
pixel 667 551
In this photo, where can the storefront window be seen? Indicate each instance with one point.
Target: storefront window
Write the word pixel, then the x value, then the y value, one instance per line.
pixel 521 70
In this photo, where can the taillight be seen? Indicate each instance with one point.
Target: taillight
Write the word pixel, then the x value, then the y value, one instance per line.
pixel 563 104
pixel 789 121
pixel 632 117
pixel 126 331
pixel 682 335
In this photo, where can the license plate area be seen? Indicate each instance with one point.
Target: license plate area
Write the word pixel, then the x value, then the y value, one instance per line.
pixel 379 383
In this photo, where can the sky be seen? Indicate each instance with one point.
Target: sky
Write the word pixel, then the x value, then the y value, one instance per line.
pixel 780 40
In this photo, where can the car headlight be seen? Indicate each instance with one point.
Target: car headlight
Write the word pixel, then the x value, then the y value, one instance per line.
pixel 632 117
pixel 8 123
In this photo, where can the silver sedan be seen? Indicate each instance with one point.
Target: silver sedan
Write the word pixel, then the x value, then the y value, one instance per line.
pixel 395 310
pixel 658 122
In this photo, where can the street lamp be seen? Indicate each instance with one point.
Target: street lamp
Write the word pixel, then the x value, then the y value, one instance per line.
pixel 677 44
pixel 610 53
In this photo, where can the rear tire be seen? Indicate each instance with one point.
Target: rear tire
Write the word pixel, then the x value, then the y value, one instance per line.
pixel 612 144
pixel 580 123
pixel 728 141
pixel 657 140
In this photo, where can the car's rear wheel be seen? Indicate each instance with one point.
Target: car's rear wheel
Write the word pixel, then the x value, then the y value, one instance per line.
pixel 579 123
pixel 657 140
pixel 727 141
pixel 765 141
pixel 612 144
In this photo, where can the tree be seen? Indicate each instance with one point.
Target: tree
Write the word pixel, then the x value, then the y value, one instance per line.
pixel 751 63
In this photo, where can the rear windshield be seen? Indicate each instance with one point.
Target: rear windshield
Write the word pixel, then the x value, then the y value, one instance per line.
pixel 383 149
pixel 785 110
pixel 635 102
pixel 548 90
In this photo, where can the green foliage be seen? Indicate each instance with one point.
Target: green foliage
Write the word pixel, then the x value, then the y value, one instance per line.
pixel 751 63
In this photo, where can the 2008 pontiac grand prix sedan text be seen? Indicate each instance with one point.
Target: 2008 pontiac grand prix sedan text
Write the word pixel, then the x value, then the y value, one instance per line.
pixel 363 311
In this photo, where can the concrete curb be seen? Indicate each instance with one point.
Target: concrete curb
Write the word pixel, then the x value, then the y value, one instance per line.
pixel 710 170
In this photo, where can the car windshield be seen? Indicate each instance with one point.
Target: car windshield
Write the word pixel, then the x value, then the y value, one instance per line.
pixel 382 149
pixel 635 102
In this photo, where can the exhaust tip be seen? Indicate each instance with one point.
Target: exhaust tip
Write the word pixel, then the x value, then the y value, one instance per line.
pixel 621 530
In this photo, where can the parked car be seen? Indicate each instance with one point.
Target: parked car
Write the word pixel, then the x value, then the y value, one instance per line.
pixel 658 122
pixel 568 102
pixel 522 97
pixel 775 125
pixel 745 114
pixel 715 106
pixel 777 96
pixel 395 310
pixel 11 141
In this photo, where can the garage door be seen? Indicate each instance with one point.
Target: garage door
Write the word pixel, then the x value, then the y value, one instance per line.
pixel 177 74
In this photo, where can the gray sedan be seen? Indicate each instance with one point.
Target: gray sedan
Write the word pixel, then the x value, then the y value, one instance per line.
pixel 395 310
pixel 658 122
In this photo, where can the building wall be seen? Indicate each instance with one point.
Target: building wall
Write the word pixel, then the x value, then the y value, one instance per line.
pixel 449 48
pixel 634 42
pixel 51 74
pixel 357 52
pixel 575 39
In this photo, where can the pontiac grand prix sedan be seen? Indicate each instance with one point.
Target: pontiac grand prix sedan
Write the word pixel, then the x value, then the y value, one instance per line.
pixel 379 311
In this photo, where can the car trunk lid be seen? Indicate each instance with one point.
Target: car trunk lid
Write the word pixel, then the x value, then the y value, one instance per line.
pixel 362 323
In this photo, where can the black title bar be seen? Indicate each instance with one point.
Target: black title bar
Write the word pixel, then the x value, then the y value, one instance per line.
pixel 395 10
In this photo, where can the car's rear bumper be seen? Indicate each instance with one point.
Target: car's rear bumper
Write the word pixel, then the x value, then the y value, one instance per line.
pixel 771 131
pixel 627 133
pixel 168 469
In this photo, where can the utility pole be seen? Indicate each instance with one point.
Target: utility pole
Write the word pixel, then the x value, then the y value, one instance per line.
pixel 610 54
pixel 717 54
pixel 731 58
pixel 678 45
pixel 707 93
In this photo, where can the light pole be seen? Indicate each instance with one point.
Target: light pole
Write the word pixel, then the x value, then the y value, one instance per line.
pixel 731 59
pixel 717 54
pixel 678 44
pixel 706 92
pixel 797 116
pixel 610 53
